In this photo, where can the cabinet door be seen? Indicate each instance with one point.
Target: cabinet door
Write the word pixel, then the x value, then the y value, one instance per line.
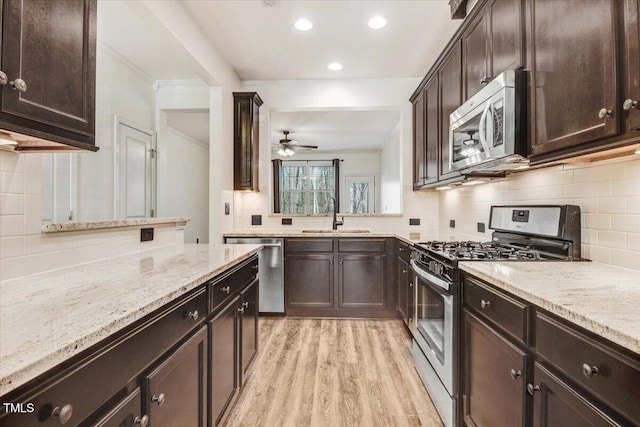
pixel 574 73
pixel 249 329
pixel 557 404
pixel 127 413
pixel 246 140
pixel 50 46
pixel 432 130
pixel 175 392
pixel 506 30
pixel 632 53
pixel 223 362
pixel 361 281
pixel 309 281
pixel 419 147
pixel 474 42
pixel 450 79
pixel 494 387
pixel 403 289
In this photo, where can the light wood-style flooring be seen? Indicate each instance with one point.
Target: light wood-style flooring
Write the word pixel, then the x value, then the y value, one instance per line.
pixel 326 372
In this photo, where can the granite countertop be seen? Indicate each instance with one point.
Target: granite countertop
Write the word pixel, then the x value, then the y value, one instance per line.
pixel 598 297
pixel 47 318
pixel 98 225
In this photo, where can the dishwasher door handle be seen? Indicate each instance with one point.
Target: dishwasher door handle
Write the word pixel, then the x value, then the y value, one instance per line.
pixel 271 245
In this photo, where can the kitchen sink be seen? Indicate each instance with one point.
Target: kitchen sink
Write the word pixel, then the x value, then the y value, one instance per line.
pixel 335 231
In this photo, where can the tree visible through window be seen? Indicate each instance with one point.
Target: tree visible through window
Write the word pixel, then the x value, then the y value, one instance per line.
pixel 305 188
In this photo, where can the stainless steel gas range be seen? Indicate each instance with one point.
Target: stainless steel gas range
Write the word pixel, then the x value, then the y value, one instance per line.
pixel 521 233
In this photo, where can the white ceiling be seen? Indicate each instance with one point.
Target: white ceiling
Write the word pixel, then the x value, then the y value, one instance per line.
pixel 261 43
pixel 193 123
pixel 141 42
pixel 340 130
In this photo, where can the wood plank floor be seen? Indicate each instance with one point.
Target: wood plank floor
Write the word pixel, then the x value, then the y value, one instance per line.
pixel 326 372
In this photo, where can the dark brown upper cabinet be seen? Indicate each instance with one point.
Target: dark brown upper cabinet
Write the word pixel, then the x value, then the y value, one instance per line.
pixel 493 43
pixel 48 77
pixel 432 131
pixel 450 77
pixel 573 54
pixel 246 137
pixel 631 97
pixel 419 152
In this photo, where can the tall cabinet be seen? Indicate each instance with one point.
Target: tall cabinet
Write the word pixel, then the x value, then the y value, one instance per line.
pixel 246 140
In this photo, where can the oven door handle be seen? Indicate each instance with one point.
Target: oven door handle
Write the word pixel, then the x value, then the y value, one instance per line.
pixel 430 277
pixel 482 128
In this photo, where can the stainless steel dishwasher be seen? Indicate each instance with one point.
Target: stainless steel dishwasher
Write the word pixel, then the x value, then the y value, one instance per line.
pixel 270 271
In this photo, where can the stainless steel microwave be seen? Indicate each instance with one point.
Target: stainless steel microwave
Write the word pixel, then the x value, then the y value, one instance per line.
pixel 489 131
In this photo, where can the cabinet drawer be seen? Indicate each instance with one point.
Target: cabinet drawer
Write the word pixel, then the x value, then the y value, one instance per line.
pixel 506 313
pixel 361 245
pixel 105 372
pixel 309 245
pixel 404 251
pixel 223 288
pixel 575 355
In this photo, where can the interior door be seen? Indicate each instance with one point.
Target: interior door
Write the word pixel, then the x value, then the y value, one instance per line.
pixel 361 194
pixel 135 172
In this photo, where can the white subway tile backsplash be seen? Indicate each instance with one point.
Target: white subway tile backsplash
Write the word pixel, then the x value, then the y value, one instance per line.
pixel 629 223
pixel 11 246
pixel 11 204
pixel 11 182
pixel 596 222
pixel 633 168
pixel 633 205
pixel 612 239
pixel 598 189
pixel 615 205
pixel 626 259
pixel 33 174
pixel 597 253
pixel 11 161
pixel 11 225
pixel 633 241
pixel 32 214
pixel 626 187
pixel 607 172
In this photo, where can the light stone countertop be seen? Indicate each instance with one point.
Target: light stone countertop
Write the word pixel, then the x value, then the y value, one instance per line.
pixel 117 223
pixel 47 318
pixel 602 299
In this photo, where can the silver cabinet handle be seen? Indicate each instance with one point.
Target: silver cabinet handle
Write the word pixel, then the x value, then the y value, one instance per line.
pixel 226 290
pixel 245 304
pixel 629 104
pixel 485 304
pixel 532 388
pixel 404 271
pixel 255 267
pixel 590 371
pixel 515 374
pixel 19 85
pixel 158 399
pixel 142 421
pixel 603 113
pixel 485 80
pixel 341 262
pixel 62 415
pixel 193 315
pixel 3 78
pixel 241 310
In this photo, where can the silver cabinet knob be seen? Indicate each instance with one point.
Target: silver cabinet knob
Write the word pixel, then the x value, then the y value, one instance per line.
pixel 404 271
pixel 158 399
pixel 62 415
pixel 531 388
pixel 603 113
pixel 142 421
pixel 19 85
pixel 245 304
pixel 341 262
pixel 515 374
pixel 485 80
pixel 485 304
pixel 3 78
pixel 193 315
pixel 241 310
pixel 226 290
pixel 589 371
pixel 255 267
pixel 410 285
pixel 629 104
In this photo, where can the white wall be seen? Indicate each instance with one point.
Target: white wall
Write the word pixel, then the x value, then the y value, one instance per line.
pixel 390 174
pixel 293 95
pixel 608 195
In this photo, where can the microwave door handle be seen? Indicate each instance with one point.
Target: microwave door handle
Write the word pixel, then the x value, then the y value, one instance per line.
pixel 482 128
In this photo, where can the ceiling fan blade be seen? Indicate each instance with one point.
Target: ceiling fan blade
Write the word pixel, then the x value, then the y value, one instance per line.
pixel 307 146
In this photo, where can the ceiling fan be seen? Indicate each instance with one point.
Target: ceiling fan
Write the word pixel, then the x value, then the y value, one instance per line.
pixel 287 147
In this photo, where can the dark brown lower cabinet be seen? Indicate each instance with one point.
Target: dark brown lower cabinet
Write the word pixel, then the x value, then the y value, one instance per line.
pixel 223 344
pixel 402 281
pixel 361 281
pixel 555 403
pixel 494 369
pixel 310 282
pixel 175 392
pixel 127 413
pixel 249 330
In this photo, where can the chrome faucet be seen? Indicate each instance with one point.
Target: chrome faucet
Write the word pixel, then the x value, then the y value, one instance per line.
pixel 336 223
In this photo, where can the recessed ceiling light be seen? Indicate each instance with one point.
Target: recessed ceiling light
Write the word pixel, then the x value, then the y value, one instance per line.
pixel 303 24
pixel 377 22
pixel 335 66
pixel 637 150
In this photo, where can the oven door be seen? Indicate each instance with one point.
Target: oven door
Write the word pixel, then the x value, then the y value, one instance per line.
pixel 434 323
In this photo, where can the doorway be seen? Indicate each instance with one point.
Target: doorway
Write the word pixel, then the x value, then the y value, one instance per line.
pixel 360 193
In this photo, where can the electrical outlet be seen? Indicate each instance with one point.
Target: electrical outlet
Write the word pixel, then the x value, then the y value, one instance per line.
pixel 452 223
pixel 481 227
pixel 287 221
pixel 227 209
pixel 414 221
pixel 146 234
pixel 256 219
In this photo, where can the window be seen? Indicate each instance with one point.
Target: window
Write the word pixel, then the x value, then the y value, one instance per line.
pixel 305 187
pixel 360 193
